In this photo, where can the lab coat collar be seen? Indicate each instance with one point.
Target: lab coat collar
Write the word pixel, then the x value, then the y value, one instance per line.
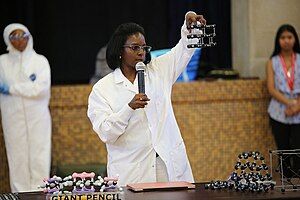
pixel 119 76
pixel 121 79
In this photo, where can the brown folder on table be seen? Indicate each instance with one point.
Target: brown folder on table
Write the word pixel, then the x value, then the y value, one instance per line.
pixel 140 187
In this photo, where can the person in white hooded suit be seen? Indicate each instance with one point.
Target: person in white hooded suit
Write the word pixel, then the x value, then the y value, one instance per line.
pixel 24 102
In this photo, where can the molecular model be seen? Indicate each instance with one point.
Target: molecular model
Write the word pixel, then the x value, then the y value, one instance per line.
pixel 205 35
pixel 250 173
pixel 80 183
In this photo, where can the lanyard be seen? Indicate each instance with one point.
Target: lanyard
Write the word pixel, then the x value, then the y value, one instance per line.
pixel 290 77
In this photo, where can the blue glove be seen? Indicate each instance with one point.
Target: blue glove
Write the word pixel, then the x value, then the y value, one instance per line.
pixel 4 89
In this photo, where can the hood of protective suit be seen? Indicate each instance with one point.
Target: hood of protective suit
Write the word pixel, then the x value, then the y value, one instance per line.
pixel 8 30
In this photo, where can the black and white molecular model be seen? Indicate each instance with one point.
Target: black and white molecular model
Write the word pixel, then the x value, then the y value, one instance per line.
pixel 202 35
pixel 250 174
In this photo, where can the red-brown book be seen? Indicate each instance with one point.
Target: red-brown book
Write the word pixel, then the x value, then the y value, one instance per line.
pixel 139 187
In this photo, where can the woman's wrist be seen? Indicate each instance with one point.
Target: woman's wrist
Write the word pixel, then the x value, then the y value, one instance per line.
pixel 292 102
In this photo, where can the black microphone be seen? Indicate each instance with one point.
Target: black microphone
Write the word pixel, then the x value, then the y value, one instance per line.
pixel 140 68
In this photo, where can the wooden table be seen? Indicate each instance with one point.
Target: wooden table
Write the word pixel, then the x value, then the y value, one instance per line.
pixel 198 193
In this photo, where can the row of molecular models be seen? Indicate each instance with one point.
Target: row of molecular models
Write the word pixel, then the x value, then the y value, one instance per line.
pixel 80 183
pixel 250 173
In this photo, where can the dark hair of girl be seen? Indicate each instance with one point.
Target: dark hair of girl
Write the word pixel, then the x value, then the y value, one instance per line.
pixel 281 29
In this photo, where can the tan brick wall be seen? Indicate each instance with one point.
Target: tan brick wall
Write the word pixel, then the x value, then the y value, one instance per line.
pixel 218 120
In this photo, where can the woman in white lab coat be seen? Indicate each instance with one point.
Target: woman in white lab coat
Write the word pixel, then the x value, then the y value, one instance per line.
pixel 24 99
pixel 142 137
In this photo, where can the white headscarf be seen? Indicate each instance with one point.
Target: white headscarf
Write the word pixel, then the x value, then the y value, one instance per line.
pixel 8 30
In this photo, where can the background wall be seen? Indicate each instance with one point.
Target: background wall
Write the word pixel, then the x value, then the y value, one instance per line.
pixel 254 26
pixel 71 32
pixel 222 120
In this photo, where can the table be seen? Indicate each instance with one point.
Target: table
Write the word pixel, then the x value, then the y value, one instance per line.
pixel 198 193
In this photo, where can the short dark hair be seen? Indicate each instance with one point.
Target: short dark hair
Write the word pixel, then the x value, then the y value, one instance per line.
pixel 281 29
pixel 118 39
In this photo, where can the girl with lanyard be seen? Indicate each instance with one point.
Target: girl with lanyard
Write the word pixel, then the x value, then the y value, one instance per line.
pixel 283 82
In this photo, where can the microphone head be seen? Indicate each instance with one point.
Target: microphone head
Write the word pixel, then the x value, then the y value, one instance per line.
pixel 140 66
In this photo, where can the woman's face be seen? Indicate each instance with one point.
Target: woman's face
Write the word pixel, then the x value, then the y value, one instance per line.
pixel 132 52
pixel 286 41
pixel 19 39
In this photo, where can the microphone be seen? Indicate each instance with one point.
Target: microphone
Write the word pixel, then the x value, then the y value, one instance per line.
pixel 140 68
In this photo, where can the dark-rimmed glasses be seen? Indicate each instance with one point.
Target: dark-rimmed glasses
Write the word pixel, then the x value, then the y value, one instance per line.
pixel 14 37
pixel 137 48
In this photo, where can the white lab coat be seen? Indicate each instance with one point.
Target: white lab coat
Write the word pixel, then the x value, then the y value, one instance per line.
pixel 133 137
pixel 25 114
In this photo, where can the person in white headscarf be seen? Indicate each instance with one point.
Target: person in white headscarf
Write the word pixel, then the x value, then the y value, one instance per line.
pixel 24 102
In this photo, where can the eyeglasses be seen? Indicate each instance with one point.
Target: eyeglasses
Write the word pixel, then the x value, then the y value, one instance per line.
pixel 15 37
pixel 137 48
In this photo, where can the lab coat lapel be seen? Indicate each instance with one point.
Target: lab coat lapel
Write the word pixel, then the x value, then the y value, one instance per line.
pixel 121 79
pixel 150 109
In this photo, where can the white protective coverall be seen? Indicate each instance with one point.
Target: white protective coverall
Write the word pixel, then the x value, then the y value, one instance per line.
pixel 133 137
pixel 26 119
